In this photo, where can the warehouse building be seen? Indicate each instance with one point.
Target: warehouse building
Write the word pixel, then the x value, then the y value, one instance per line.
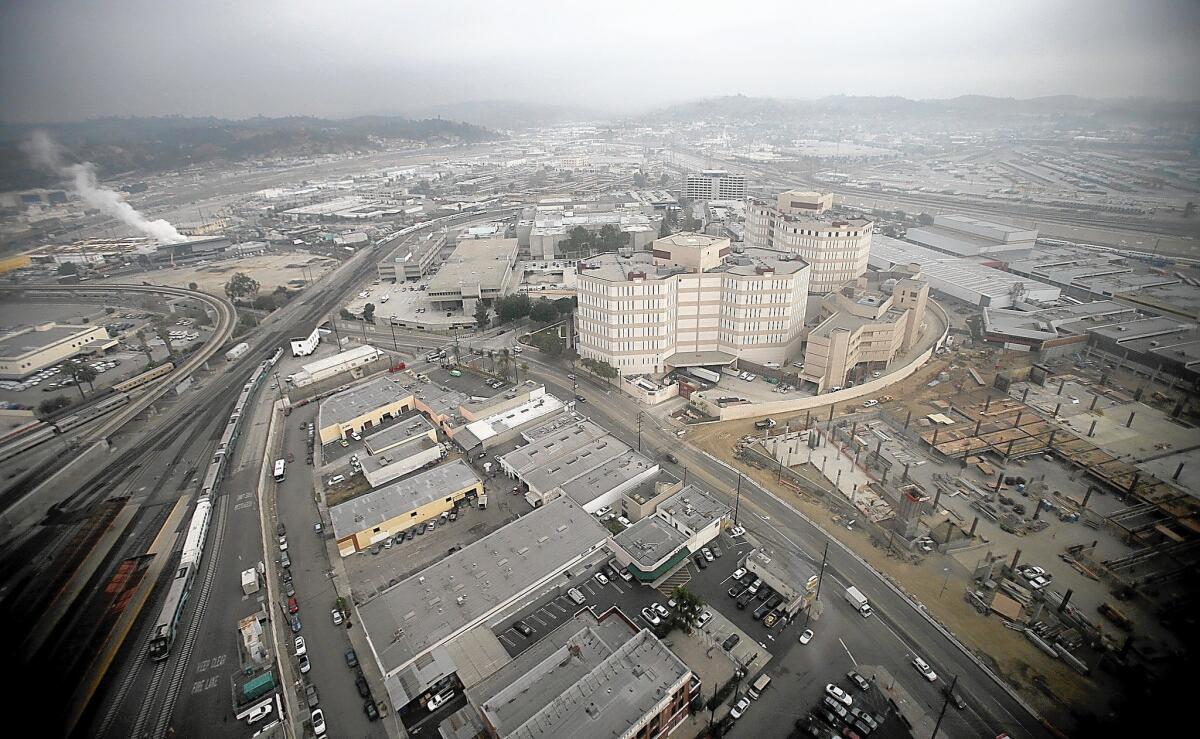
pixel 362 407
pixel 372 517
pixel 959 277
pixel 432 626
pixel 505 419
pixel 34 348
pixel 351 360
pixel 408 428
pixel 682 525
pixel 400 460
pixel 965 236
pixel 591 678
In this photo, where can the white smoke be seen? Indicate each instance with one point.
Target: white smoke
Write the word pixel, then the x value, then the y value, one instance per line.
pixel 48 155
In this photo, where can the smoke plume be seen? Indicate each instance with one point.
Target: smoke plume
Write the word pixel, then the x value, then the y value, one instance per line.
pixel 46 153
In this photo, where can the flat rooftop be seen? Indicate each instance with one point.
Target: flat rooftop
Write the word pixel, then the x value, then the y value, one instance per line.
pixel 28 341
pixel 530 411
pixel 551 441
pixel 485 262
pixel 941 270
pixel 615 472
pixel 402 429
pixel 354 402
pixel 1143 328
pixel 694 508
pixel 650 540
pixel 376 461
pixel 424 610
pixel 395 499
pixel 615 267
pixel 321 365
pixel 587 690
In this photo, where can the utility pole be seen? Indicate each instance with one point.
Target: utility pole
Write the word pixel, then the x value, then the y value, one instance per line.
pixel 820 577
pixel 639 420
pixel 395 344
pixel 738 502
pixel 949 692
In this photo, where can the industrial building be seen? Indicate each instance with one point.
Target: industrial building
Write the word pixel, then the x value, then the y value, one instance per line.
pixel 478 269
pixel 965 236
pixel 591 678
pixel 374 516
pixel 362 407
pixel 791 577
pixel 961 278
pixel 500 419
pixel 863 326
pixel 410 261
pixel 799 222
pixel 400 460
pixel 33 348
pixel 1051 331
pixel 654 547
pixel 690 302
pixel 418 627
pixel 714 184
pixel 407 428
pixel 323 369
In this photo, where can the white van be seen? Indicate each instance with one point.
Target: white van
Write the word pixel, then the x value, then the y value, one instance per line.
pixel 759 685
pixel 336 479
pixel 576 596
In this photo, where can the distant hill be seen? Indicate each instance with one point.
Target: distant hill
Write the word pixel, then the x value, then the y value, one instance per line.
pixel 966 109
pixel 162 144
pixel 507 114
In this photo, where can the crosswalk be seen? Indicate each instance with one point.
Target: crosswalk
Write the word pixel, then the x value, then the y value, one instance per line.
pixel 680 578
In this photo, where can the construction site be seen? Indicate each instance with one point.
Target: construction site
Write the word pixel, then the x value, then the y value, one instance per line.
pixel 1054 497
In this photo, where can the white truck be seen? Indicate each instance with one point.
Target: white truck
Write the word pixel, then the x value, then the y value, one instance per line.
pixel 249 581
pixel 855 597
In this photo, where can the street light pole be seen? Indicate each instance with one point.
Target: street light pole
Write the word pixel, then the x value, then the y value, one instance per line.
pixel 737 506
pixel 639 420
pixel 949 692
pixel 945 581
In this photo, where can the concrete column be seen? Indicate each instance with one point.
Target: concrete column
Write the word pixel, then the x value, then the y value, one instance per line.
pixel 974 523
pixel 1061 385
pixel 987 404
pixel 1066 599
pixel 1017 423
pixel 1008 451
pixel 906 420
pixel 807 419
pixel 1025 395
pixel 831 413
pixel 1087 496
pixel 877 448
pixel 977 425
pixel 1092 429
pixel 1129 423
pixel 935 435
pixel 999 482
pixel 1092 407
pixel 1137 477
pixel 1177 471
pixel 1037 513
pixel 937 497
pixel 905 478
pixel 1057 408
pixel 1015 560
pixel 1050 441
pixel 883 477
pixel 839 479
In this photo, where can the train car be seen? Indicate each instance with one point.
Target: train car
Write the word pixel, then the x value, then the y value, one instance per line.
pixel 165 627
pixel 193 543
pixel 274 360
pixel 212 478
pixel 43 432
pixel 146 377
pixel 95 410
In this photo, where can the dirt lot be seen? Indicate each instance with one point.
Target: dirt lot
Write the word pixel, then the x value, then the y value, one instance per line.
pixel 1009 652
pixel 270 270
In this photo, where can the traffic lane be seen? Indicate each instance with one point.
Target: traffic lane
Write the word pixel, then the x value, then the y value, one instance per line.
pixel 418 720
pixel 326 642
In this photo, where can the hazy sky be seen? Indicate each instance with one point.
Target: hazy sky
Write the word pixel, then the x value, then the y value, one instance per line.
pixel 72 59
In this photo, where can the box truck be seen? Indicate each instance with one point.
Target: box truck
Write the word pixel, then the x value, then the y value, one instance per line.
pixel 858 600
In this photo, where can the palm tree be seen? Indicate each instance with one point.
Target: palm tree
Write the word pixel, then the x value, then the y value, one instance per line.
pixel 83 373
pixel 141 334
pixel 505 362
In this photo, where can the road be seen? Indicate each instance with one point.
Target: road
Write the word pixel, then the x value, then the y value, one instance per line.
pixel 897 632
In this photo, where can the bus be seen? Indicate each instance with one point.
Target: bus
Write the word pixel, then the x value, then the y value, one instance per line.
pixel 279 475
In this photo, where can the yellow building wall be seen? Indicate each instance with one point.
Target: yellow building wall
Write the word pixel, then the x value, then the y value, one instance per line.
pixel 364 539
pixel 8 264
pixel 340 431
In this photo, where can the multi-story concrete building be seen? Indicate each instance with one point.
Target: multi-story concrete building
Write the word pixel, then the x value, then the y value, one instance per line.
pixel 863 325
pixel 412 260
pixel 478 269
pixel 690 302
pixel 714 184
pixel 836 249
pixel 545 229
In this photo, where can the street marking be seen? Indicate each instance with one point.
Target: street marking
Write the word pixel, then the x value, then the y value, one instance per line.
pixel 854 661
pixel 618 587
pixel 534 616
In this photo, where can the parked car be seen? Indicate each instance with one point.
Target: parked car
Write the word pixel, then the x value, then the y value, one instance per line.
pixel 651 617
pixel 305 665
pixel 739 708
pixel 704 618
pixel 522 628
pixel 701 562
pixel 836 707
pixel 371 711
pixel 318 722
pixel 293 605
pixel 731 642
pixel 301 649
pixel 739 573
pixel 258 714
pixel 351 659
pixel 661 611
pixel 337 616
pixel 600 578
pixel 439 700
pixel 838 693
pixel 806 637
pixel 310 695
pixel 859 681
pixel 708 555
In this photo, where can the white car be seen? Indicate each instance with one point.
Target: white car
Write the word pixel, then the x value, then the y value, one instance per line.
pixel 737 531
pixel 651 617
pixel 660 610
pixel 337 616
pixel 739 708
pixel 870 403
pixel 305 665
pixel 604 511
pixel 838 694
pixel 806 637
pixel 739 573
pixel 318 722
pixel 624 522
pixel 708 555
pixel 924 668
pixel 301 649
pixel 705 617
pixel 601 578
pixel 258 714
pixel 439 700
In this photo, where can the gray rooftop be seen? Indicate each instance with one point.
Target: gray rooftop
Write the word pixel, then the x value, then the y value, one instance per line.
pixel 406 427
pixel 567 467
pixel 1143 328
pixel 373 508
pixel 650 540
pixel 608 476
pixel 566 418
pixel 694 508
pixel 17 345
pixel 466 587
pixel 587 690
pixel 475 261
pixel 350 404
pixel 553 440
pixel 614 267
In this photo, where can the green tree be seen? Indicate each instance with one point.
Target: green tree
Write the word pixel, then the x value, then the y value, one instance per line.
pixel 164 334
pixel 513 307
pixel 543 311
pixel 50 405
pixel 600 368
pixel 503 363
pixel 610 238
pixel 925 219
pixel 688 608
pixel 369 313
pixel 579 241
pixel 193 286
pixel 241 285
pixel 347 315
pixel 141 334
pixel 524 367
pixel 564 306
pixel 264 302
pixel 68 268
pixel 482 314
pixel 82 373
pixel 424 188
pixel 664 180
pixel 664 229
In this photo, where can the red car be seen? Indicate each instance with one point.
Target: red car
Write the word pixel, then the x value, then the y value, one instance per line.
pixel 397 367
pixel 293 606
